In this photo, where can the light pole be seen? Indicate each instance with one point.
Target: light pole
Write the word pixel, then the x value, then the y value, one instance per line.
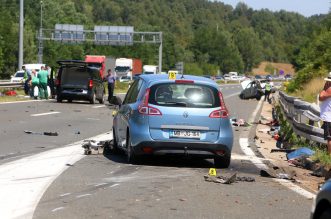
pixel 20 41
pixel 40 43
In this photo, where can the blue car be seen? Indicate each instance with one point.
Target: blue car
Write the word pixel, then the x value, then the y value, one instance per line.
pixel 185 116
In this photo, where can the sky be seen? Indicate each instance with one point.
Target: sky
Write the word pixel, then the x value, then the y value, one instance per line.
pixel 304 7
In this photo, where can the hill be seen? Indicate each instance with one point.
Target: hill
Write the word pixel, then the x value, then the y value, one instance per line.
pixel 266 68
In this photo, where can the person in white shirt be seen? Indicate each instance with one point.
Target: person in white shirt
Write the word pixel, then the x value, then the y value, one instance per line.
pixel 325 112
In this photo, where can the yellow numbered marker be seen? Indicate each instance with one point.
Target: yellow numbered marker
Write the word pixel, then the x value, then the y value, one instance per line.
pixel 114 113
pixel 172 75
pixel 212 172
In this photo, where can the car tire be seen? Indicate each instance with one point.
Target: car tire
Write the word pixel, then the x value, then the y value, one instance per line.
pixel 58 99
pixel 102 100
pixel 222 161
pixel 92 100
pixel 326 214
pixel 132 158
pixel 114 149
pixel 241 96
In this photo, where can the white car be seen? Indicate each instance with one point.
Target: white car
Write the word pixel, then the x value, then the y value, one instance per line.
pixel 17 77
pixel 125 79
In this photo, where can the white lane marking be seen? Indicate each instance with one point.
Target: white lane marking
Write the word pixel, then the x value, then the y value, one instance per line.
pixel 57 209
pixel 23 101
pixel 65 194
pixel 84 195
pixel 95 119
pixel 45 114
pixel 96 107
pixel 231 95
pixel 258 161
pixel 116 184
pixel 24 181
pixel 100 184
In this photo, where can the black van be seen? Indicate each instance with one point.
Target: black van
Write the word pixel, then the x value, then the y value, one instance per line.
pixel 76 80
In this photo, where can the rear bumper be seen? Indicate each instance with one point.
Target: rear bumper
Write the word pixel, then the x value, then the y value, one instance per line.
pixel 75 95
pixel 200 149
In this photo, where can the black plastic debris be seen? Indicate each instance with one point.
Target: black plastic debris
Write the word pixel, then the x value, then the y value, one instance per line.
pixel 42 133
pixel 228 179
pixel 279 173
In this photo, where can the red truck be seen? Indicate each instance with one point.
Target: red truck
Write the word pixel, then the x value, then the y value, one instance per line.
pixel 102 62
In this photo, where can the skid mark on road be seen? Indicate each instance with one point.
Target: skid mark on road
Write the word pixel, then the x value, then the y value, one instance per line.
pixel 24 181
pixel 258 162
pixel 45 114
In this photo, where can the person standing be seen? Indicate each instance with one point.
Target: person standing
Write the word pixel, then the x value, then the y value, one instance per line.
pixel 267 91
pixel 27 80
pixel 111 84
pixel 34 85
pixel 325 112
pixel 43 75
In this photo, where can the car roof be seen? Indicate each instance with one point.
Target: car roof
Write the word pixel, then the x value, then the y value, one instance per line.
pixel 152 79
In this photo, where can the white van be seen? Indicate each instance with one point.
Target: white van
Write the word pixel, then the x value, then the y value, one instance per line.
pixel 30 67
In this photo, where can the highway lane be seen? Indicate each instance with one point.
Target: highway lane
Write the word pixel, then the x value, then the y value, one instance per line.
pixel 101 186
pixel 72 121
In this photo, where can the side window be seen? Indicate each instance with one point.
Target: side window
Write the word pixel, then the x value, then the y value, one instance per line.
pixel 133 92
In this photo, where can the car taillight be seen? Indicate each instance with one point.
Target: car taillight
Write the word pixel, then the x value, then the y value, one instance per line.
pixel 90 84
pixel 145 109
pixel 220 113
pixel 57 82
pixel 184 82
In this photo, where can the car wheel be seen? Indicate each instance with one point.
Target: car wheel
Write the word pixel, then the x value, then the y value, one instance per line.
pixel 131 157
pixel 223 161
pixel 58 99
pixel 102 100
pixel 326 214
pixel 92 100
pixel 258 96
pixel 241 96
pixel 114 149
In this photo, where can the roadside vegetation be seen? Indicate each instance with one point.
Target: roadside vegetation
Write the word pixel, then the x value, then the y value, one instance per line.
pixel 292 141
pixel 19 97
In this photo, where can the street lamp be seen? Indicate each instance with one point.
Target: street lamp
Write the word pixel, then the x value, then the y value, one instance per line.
pixel 40 48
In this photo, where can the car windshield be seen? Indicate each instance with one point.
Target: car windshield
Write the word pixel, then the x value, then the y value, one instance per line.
pixel 122 68
pixel 184 95
pixel 19 74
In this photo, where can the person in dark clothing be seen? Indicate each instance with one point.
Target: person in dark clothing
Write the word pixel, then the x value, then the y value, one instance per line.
pixel 111 84
pixel 27 80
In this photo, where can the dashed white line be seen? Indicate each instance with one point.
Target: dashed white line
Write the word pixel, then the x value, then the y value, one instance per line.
pixel 57 209
pixel 65 194
pixel 100 184
pixel 84 195
pixel 96 107
pixel 116 184
pixel 45 114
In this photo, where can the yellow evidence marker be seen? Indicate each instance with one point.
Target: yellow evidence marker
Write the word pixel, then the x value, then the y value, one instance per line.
pixel 172 75
pixel 212 172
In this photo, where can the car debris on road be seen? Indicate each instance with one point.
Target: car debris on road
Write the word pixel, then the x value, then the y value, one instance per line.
pixel 228 179
pixel 42 133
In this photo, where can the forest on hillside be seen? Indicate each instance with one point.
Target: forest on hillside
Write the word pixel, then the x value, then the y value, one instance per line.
pixel 206 35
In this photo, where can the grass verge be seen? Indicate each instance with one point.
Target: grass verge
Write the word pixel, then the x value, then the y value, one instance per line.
pixel 19 97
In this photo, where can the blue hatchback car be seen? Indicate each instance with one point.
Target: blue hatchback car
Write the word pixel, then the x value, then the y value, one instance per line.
pixel 185 116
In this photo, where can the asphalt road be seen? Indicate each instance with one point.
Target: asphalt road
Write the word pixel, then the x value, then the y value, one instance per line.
pixel 105 186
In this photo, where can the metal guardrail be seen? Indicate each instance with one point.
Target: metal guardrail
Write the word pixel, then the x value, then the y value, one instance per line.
pixel 303 116
pixel 10 84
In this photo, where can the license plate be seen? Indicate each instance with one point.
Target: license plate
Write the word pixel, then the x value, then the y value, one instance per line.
pixel 184 134
pixel 84 91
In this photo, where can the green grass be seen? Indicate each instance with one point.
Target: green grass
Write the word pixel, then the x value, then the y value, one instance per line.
pixel 19 97
pixel 323 157
pixel 121 87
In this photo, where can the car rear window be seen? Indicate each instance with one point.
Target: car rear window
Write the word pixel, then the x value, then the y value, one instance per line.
pixel 74 76
pixel 19 74
pixel 184 95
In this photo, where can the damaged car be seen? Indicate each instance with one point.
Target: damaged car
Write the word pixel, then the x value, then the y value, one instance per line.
pixel 254 89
